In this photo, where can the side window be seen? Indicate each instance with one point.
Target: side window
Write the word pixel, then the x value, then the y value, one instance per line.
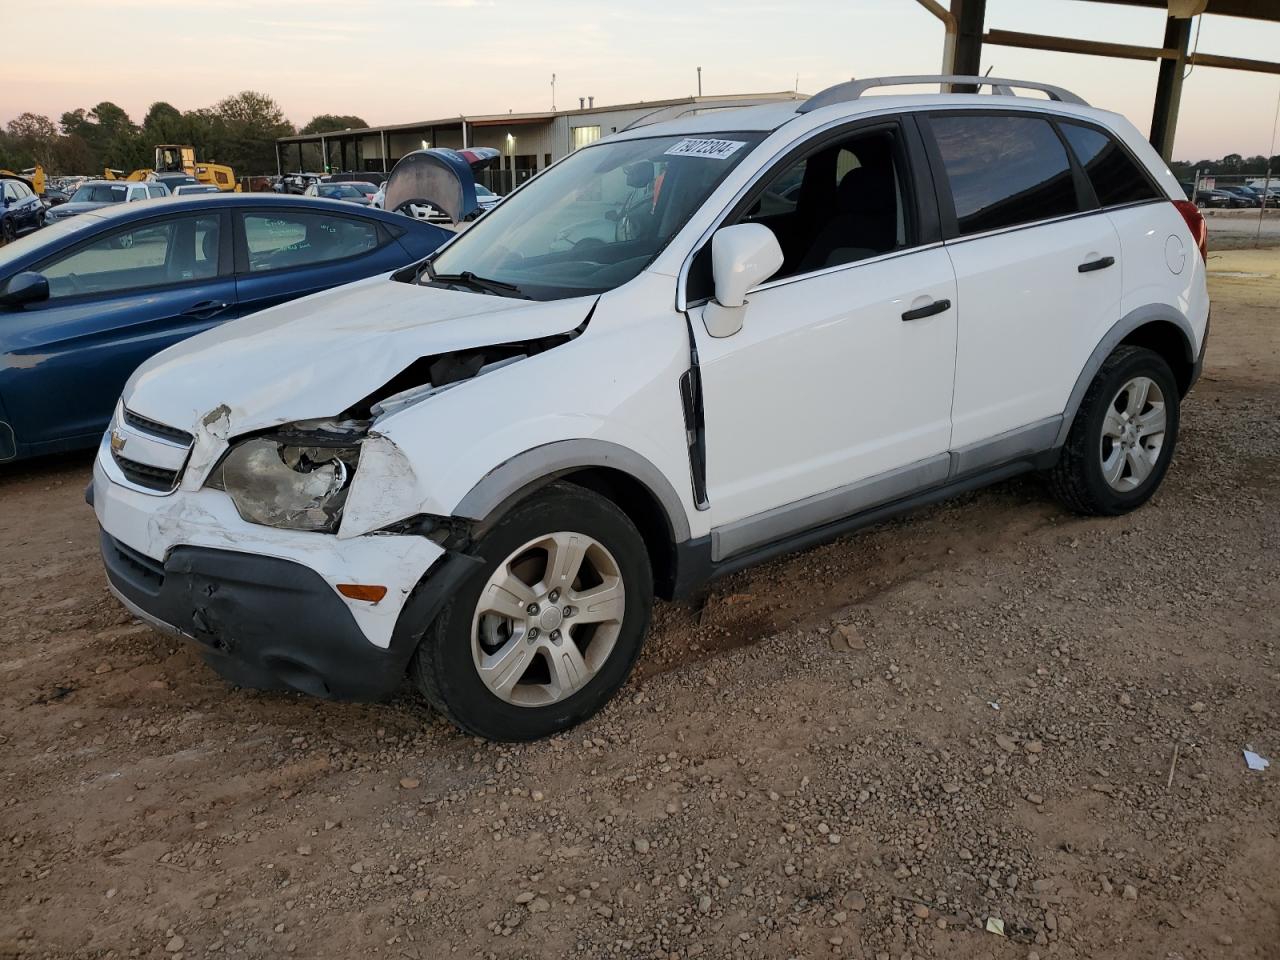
pixel 1003 170
pixel 149 255
pixel 9 192
pixel 155 190
pixel 1115 175
pixel 842 203
pixel 278 241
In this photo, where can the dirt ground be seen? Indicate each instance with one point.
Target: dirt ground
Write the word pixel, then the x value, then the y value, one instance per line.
pixel 990 713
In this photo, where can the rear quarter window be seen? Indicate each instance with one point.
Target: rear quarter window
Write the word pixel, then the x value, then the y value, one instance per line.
pixel 1116 176
pixel 1003 171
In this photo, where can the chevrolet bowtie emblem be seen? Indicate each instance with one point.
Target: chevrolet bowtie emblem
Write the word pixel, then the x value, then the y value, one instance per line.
pixel 117 441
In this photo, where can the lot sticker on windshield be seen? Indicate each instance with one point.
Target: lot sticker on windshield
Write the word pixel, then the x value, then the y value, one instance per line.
pixel 710 149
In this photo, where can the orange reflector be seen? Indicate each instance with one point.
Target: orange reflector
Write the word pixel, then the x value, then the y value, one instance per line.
pixel 362 591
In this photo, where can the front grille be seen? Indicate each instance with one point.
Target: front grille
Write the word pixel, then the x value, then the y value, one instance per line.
pixel 145 475
pixel 145 425
pixel 141 568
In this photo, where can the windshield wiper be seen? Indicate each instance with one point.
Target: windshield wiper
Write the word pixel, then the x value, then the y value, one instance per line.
pixel 469 279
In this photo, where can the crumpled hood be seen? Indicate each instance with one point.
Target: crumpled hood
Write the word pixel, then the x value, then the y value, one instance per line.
pixel 313 358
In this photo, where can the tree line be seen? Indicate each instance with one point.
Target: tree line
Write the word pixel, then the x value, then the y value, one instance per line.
pixel 239 130
pixel 1233 164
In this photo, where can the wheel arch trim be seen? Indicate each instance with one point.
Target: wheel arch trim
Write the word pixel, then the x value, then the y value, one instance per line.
pixel 528 471
pixel 1134 319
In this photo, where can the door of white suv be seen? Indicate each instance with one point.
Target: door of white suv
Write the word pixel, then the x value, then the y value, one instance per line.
pixel 836 393
pixel 1038 274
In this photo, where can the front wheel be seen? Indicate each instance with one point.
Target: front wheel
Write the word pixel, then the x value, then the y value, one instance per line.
pixel 8 232
pixel 550 625
pixel 1123 436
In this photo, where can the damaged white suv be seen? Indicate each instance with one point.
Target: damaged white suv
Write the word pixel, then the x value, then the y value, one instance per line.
pixel 684 349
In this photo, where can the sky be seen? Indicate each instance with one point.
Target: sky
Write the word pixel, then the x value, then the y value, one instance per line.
pixel 399 61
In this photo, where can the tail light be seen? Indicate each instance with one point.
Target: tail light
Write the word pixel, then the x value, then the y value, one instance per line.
pixel 1195 223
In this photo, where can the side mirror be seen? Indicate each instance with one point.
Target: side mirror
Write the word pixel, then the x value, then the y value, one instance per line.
pixel 742 257
pixel 25 287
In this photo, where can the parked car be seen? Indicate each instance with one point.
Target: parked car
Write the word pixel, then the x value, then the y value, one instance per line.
pixel 479 469
pixel 194 189
pixel 485 197
pixel 1216 199
pixel 86 300
pixel 1245 196
pixel 348 192
pixel 298 182
pixel 174 180
pixel 54 197
pixel 20 210
pixel 96 194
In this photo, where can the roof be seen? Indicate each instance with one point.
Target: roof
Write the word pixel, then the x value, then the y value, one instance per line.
pixel 1250 9
pixel 770 116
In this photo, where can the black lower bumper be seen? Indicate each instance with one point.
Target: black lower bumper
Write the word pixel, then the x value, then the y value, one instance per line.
pixel 273 624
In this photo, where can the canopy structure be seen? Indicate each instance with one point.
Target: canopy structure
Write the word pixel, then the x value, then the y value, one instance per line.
pixel 967 31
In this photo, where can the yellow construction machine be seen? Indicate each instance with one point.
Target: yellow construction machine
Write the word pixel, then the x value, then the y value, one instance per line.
pixel 179 158
pixel 34 178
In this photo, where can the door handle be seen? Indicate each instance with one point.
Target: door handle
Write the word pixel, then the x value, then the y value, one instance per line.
pixel 205 309
pixel 1093 265
pixel 928 310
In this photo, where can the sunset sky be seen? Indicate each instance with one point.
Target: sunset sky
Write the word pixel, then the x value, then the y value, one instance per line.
pixel 396 61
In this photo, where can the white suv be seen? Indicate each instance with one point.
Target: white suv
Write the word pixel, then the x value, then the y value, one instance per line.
pixel 684 349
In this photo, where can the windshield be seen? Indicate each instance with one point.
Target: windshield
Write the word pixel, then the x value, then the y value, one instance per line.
pixel 596 219
pixel 99 193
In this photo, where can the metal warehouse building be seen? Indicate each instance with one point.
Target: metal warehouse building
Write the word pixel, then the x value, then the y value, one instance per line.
pixel 528 141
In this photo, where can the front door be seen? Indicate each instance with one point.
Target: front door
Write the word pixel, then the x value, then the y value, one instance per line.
pixel 836 394
pixel 113 302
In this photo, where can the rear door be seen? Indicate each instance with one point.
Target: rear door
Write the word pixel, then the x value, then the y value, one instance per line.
pixel 1038 274
pixel 114 300
pixel 282 254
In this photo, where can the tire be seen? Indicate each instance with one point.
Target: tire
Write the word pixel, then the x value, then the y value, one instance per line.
pixel 1100 470
pixel 8 232
pixel 509 633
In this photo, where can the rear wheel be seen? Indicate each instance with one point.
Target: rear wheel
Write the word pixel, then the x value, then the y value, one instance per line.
pixel 549 627
pixel 1123 436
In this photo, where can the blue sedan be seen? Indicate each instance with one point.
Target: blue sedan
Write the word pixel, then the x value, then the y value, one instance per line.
pixel 84 301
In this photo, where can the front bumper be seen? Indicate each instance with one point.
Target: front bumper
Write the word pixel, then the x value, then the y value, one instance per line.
pixel 262 603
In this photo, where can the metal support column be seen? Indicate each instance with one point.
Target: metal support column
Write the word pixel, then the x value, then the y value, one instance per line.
pixel 971 16
pixel 1164 118
pixel 383 135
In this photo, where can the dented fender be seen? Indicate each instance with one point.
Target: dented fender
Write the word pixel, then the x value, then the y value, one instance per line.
pixel 384 488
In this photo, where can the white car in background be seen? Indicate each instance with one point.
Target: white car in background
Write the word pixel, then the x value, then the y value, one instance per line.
pixel 787 321
pixel 485 197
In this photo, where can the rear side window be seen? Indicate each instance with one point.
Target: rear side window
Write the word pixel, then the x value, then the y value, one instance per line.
pixel 278 241
pixel 1004 170
pixel 1115 176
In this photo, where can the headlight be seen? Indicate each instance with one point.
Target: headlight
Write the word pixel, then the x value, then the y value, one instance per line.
pixel 283 484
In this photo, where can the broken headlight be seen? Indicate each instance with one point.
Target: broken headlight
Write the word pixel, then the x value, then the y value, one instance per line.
pixel 280 483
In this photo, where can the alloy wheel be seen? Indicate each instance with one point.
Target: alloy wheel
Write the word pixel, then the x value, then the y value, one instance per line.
pixel 1133 432
pixel 548 619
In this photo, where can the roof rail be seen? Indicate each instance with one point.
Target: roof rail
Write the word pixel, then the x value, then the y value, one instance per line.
pixel 854 89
